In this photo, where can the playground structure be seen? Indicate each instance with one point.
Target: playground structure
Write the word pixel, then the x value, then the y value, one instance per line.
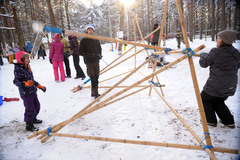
pixel 45 134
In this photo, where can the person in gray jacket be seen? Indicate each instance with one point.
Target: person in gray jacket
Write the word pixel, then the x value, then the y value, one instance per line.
pixel 224 62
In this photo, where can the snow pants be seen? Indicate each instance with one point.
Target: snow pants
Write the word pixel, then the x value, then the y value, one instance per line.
pixel 216 105
pixel 32 107
pixel 67 66
pixel 93 73
pixel 79 70
pixel 55 70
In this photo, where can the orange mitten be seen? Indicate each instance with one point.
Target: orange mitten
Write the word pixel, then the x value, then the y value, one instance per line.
pixel 42 87
pixel 29 83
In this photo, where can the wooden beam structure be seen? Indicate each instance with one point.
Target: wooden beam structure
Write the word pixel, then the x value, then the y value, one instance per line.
pixel 95 105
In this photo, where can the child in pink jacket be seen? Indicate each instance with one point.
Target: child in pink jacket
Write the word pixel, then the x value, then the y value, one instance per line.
pixel 56 57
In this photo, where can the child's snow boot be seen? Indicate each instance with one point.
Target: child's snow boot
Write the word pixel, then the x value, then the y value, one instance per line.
pixel 30 127
pixel 37 121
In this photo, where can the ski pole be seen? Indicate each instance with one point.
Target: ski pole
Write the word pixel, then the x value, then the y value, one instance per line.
pixel 105 62
pixel 79 87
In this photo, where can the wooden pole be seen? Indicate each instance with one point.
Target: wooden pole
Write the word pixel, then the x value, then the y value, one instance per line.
pixel 154 69
pixel 161 85
pixel 113 101
pixel 129 49
pixel 135 40
pixel 78 115
pixel 114 77
pixel 194 78
pixel 148 143
pixel 94 108
pixel 123 61
pixel 142 80
pixel 163 21
pixel 119 86
pixel 173 52
pixel 210 153
pixel 34 42
pixel 111 40
pixel 139 30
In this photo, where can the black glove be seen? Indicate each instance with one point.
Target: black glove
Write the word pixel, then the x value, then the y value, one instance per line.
pixel 50 60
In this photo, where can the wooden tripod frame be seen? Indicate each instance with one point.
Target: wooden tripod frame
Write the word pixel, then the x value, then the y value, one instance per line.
pixel 96 105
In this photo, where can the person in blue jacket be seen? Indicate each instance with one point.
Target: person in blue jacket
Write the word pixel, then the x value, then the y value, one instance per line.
pixel 224 62
pixel 29 47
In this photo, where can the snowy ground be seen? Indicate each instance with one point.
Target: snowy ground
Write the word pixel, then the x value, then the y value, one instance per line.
pixel 138 117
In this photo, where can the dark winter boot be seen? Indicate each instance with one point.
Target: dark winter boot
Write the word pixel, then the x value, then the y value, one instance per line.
pixel 30 127
pixel 95 93
pixel 37 121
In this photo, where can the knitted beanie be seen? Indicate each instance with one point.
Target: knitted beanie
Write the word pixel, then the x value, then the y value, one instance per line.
pixel 90 26
pixel 228 36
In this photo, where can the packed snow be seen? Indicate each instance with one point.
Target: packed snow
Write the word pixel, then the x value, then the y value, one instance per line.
pixel 140 116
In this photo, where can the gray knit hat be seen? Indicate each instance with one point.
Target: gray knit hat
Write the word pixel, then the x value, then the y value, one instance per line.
pixel 228 36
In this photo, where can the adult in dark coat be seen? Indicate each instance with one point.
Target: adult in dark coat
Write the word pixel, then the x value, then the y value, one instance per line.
pixel 75 48
pixel 154 41
pixel 91 50
pixel 179 37
pixel 41 51
pixel 224 62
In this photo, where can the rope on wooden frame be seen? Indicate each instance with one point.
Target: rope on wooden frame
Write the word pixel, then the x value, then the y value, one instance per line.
pixel 155 84
pixel 154 56
pixel 166 50
pixel 187 50
pixel 49 130
pixel 206 146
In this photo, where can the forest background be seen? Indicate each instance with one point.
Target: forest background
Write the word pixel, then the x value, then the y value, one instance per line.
pixel 202 17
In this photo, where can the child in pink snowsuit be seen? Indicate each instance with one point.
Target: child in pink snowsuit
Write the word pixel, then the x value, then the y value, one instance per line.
pixel 56 57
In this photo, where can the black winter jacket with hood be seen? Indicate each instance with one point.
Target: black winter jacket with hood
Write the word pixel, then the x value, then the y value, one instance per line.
pixel 224 63
pixel 91 50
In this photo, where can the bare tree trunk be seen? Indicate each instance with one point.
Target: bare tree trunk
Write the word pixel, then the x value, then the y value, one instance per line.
pixel 121 24
pixel 181 3
pixel 217 17
pixel 191 22
pixel 33 15
pixel 61 14
pixel 129 24
pixel 236 14
pixel 152 14
pixel 66 9
pixel 28 24
pixel 166 27
pixel 37 10
pixel 18 29
pixel 6 23
pixel 148 14
pixel 213 20
pixel 229 16
pixel 201 19
pixel 52 19
pixel 56 12
pixel 223 17
pixel 43 13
